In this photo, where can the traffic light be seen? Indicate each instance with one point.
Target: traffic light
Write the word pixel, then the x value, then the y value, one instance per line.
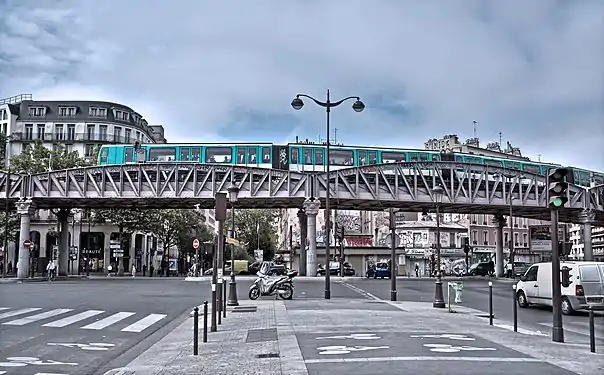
pixel 564 248
pixel 558 187
pixel 466 245
pixel 565 276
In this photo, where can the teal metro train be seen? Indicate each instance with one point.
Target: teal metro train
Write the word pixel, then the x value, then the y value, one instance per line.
pixel 312 157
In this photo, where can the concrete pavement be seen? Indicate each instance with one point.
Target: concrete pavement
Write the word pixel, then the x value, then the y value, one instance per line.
pixel 358 336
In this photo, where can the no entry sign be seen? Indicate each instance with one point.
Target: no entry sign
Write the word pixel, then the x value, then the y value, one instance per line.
pixel 196 243
pixel 27 243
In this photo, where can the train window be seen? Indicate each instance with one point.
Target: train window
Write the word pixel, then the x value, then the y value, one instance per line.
pixel 195 154
pixel 129 154
pixel 598 178
pixel 413 156
pixel 266 154
pixel 252 156
pixel 532 168
pixel 104 153
pixel 512 165
pixel 318 156
pixel 458 159
pixel 423 156
pixel 295 156
pixel 436 157
pixel 341 157
pixel 162 154
pixel 493 162
pixel 307 156
pixel 393 157
pixel 218 155
pixel 473 159
pixel 184 154
pixel 372 156
pixel 241 155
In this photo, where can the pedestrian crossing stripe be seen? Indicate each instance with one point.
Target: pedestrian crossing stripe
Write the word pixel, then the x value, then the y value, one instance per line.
pixel 31 315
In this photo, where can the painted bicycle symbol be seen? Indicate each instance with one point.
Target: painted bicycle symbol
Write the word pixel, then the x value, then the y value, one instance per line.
pixel 341 349
pixel 354 336
pixel 445 336
pixel 97 346
pixel 24 361
pixel 446 348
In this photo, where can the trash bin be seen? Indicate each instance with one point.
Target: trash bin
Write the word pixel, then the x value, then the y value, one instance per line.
pixel 458 288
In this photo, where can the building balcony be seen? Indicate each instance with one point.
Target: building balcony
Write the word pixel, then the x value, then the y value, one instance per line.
pixel 84 137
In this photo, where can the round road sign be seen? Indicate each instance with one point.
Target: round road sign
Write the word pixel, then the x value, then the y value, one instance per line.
pixel 27 243
pixel 196 243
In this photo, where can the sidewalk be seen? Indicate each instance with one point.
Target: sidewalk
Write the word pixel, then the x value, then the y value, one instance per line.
pixel 341 336
pixel 38 279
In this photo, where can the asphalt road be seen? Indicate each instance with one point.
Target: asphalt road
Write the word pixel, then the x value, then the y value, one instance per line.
pixel 89 326
pixel 476 296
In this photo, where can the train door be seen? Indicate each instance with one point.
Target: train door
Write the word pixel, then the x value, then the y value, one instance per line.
pixel 242 158
pixel 295 158
pixel 184 154
pixel 267 156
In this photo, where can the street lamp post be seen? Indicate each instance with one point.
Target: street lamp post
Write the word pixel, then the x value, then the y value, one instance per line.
pixel 6 206
pixel 233 192
pixel 357 106
pixel 439 299
pixel 87 253
pixel 393 264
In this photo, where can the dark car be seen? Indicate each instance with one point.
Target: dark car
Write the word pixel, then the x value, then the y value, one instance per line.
pixel 479 269
pixel 380 270
pixel 273 269
pixel 334 269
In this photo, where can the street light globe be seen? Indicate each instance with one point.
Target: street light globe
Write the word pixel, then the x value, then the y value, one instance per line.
pixel 438 193
pixel 297 104
pixel 233 193
pixel 358 106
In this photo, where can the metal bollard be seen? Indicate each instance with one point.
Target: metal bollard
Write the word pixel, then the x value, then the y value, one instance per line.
pixel 224 299
pixel 195 330
pixel 515 308
pixel 490 303
pixel 592 331
pixel 205 321
pixel 449 296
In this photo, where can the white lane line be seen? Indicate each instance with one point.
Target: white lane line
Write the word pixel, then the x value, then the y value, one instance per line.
pixel 35 318
pixel 103 323
pixel 73 319
pixel 423 359
pixel 19 312
pixel 4 308
pixel 144 323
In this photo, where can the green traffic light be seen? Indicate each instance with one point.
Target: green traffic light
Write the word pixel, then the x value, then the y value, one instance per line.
pixel 558 202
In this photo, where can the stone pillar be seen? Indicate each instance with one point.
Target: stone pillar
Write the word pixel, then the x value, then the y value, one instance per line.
pixel 303 240
pixel 63 229
pixel 311 207
pixel 23 209
pixel 587 218
pixel 500 221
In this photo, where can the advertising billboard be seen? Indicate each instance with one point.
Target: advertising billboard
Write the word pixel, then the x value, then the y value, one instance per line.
pixel 540 237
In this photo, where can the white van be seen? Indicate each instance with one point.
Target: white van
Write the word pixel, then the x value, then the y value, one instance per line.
pixel 586 286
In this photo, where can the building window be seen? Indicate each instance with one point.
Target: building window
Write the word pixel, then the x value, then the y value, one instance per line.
pixel 506 238
pixel 37 111
pixel 103 132
pixel 67 111
pixel 117 131
pixel 4 115
pixel 29 132
pixel 97 112
pixel 485 237
pixel 127 134
pixel 59 132
pixel 90 132
pixel 516 238
pixel 474 236
pixel 71 132
pixel 121 115
pixel 69 147
pixel 40 131
pixel 88 150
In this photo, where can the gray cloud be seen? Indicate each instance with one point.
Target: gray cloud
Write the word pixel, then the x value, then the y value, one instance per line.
pixel 227 70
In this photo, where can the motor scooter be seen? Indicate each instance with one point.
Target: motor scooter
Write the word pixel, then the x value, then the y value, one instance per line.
pixel 281 287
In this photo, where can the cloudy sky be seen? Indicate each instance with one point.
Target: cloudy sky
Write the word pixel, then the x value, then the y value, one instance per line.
pixel 228 70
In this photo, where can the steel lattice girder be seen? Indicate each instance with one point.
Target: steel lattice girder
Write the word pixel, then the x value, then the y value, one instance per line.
pixel 468 188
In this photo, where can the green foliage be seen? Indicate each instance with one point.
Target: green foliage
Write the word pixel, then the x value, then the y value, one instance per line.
pixel 39 159
pixel 240 253
pixel 128 220
pixel 185 238
pixel 13 226
pixel 170 225
pixel 251 225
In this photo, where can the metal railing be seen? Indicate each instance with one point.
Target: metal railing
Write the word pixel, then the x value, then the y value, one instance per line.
pixel 16 99
pixel 72 137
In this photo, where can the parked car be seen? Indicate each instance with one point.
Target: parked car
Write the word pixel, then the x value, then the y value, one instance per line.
pixel 519 269
pixel 380 270
pixel 334 269
pixel 586 286
pixel 479 269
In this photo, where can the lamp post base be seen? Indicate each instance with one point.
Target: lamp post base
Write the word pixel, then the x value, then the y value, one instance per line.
pixel 439 299
pixel 232 293
pixel 393 295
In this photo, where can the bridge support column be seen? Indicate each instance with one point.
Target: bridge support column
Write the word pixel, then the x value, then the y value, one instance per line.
pixel 500 221
pixel 311 207
pixel 63 259
pixel 303 236
pixel 23 209
pixel 587 218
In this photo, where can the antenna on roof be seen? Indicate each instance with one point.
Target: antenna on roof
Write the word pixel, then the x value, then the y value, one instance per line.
pixel 500 140
pixel 474 127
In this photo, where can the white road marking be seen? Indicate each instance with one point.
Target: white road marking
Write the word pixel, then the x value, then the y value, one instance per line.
pixel 423 359
pixel 35 318
pixel 48 373
pixel 19 312
pixel 73 319
pixel 144 323
pixel 103 323
pixel 3 308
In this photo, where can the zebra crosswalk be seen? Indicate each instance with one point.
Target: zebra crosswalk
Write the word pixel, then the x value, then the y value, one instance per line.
pixel 97 320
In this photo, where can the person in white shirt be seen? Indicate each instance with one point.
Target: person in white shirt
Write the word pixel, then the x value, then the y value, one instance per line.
pixel 50 267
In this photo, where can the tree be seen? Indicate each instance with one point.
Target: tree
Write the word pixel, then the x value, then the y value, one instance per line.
pixel 171 225
pixel 127 220
pixel 13 226
pixel 38 159
pixel 255 229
